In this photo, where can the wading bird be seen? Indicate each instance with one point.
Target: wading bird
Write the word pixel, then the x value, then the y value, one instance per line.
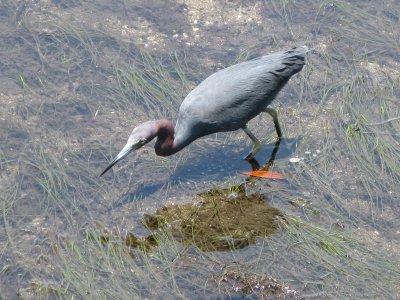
pixel 225 101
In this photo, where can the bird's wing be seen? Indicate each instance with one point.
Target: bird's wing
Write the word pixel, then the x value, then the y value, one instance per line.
pixel 229 98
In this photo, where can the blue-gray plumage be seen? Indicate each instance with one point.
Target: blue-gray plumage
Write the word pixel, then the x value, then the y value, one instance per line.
pixel 225 101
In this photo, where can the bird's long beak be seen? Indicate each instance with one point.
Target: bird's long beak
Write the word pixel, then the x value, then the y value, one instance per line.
pixel 124 152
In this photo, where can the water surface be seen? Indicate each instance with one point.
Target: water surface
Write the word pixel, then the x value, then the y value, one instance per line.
pixel 76 77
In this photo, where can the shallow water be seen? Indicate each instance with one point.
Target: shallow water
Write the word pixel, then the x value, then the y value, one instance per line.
pixel 76 77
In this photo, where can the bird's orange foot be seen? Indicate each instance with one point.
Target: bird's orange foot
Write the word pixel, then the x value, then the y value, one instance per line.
pixel 265 174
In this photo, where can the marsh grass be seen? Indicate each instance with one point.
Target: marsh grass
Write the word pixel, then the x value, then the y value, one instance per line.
pixel 364 26
pixel 122 272
pixel 147 84
pixel 284 9
pixel 341 103
pixel 335 251
pixel 4 162
pixel 362 137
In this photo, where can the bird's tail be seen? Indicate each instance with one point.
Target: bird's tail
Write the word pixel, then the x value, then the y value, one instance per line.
pixel 294 59
pixel 300 51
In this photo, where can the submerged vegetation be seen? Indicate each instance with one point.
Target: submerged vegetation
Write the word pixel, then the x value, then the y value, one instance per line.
pixel 218 220
pixel 77 76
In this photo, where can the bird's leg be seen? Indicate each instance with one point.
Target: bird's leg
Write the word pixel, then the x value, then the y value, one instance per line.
pixel 256 142
pixel 273 155
pixel 272 112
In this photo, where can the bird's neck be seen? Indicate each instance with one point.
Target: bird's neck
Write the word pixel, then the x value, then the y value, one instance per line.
pixel 166 143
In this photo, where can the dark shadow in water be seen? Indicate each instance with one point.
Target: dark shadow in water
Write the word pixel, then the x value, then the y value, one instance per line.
pixel 216 163
pixel 220 162
pixel 141 192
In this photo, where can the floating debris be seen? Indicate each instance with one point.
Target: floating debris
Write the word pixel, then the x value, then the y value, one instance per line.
pixel 305 204
pixel 41 289
pixel 234 281
pixel 128 238
pixel 295 159
pixel 298 202
pixel 218 220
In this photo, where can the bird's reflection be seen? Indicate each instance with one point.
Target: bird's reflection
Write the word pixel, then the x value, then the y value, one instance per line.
pixel 213 166
pixel 255 164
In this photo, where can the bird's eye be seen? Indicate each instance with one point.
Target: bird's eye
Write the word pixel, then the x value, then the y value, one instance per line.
pixel 143 141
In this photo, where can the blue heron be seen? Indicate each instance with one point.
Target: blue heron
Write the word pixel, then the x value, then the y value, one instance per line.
pixel 225 101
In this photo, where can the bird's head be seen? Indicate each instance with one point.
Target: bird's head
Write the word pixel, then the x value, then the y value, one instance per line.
pixel 139 137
